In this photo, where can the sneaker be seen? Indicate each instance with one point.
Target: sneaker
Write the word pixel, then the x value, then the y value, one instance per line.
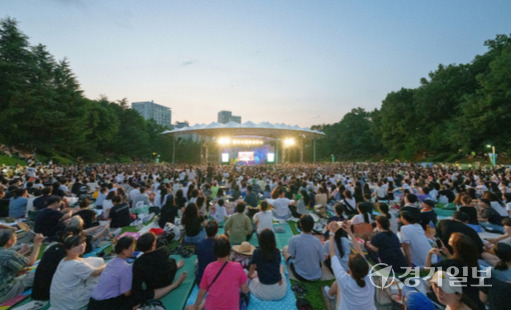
pixel 326 289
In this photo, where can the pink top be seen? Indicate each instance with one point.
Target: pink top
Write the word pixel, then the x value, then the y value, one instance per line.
pixel 224 294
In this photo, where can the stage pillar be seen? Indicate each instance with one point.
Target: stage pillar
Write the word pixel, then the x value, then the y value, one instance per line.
pixel 301 149
pixel 174 149
pixel 201 159
pixel 314 150
pixel 277 151
pixel 206 157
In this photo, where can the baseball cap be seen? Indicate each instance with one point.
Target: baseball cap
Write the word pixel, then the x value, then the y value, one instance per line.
pixel 447 282
pixel 416 300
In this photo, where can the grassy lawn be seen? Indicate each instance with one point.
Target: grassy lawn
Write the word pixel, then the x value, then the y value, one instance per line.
pixel 314 295
pixel 11 161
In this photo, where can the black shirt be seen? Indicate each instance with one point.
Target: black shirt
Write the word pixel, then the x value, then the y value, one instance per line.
pixel 472 214
pixel 268 271
pixel 168 214
pixel 120 215
pixel 45 271
pixel 389 250
pixel 447 227
pixel 156 269
pixel 427 217
pixel 88 216
pixel 47 222
pixel 40 202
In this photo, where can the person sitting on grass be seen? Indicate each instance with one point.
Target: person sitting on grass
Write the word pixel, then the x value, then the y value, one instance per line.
pixel 342 249
pixel 305 252
pixel 355 286
pixel 204 249
pixel 264 218
pixel 238 226
pixel 113 291
pixel 155 269
pixel 119 213
pixel 218 211
pixel 222 280
pixel 75 277
pixel 386 246
pixel 14 278
pixel 267 274
pixel 413 239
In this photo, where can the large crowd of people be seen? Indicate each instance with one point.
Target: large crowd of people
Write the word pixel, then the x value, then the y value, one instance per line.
pixel 350 216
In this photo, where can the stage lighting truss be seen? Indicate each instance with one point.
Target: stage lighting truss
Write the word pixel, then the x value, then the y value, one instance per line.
pixel 229 141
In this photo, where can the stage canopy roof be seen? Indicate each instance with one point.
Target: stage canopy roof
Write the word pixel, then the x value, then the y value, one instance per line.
pixel 263 129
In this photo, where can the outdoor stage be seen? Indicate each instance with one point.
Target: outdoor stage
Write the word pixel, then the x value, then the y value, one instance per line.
pixel 248 143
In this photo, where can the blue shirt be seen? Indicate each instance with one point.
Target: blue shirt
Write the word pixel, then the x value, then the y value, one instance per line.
pixel 205 255
pixel 307 253
pixel 17 207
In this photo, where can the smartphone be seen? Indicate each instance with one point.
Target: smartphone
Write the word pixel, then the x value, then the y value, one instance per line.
pixel 438 243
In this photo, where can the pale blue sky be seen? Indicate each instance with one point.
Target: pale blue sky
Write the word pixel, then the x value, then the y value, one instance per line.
pixel 297 62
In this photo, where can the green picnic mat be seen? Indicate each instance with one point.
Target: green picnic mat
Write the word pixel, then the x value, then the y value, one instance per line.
pixel 284 237
pixel 443 212
pixel 176 299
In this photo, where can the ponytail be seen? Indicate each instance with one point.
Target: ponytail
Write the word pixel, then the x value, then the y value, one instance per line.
pixel 501 266
pixel 359 269
pixel 366 217
pixel 361 282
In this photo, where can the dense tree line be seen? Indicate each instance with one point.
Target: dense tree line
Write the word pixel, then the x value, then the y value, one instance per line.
pixel 454 113
pixel 42 108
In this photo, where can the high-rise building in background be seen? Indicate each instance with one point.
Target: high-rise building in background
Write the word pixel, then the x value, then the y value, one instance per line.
pixel 150 110
pixel 226 116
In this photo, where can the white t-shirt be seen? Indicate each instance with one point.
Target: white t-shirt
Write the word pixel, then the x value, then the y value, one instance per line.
pixel 414 235
pixel 72 285
pixel 220 214
pixel 359 219
pixel 265 220
pixel 381 191
pixel 501 209
pixel 281 206
pixel 354 297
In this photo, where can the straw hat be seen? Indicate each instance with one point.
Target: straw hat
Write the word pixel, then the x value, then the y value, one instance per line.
pixel 244 248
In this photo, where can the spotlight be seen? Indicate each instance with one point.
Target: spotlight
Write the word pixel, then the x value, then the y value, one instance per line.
pixel 289 142
pixel 224 140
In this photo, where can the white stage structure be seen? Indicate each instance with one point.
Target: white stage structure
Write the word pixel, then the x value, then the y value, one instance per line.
pixel 249 134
